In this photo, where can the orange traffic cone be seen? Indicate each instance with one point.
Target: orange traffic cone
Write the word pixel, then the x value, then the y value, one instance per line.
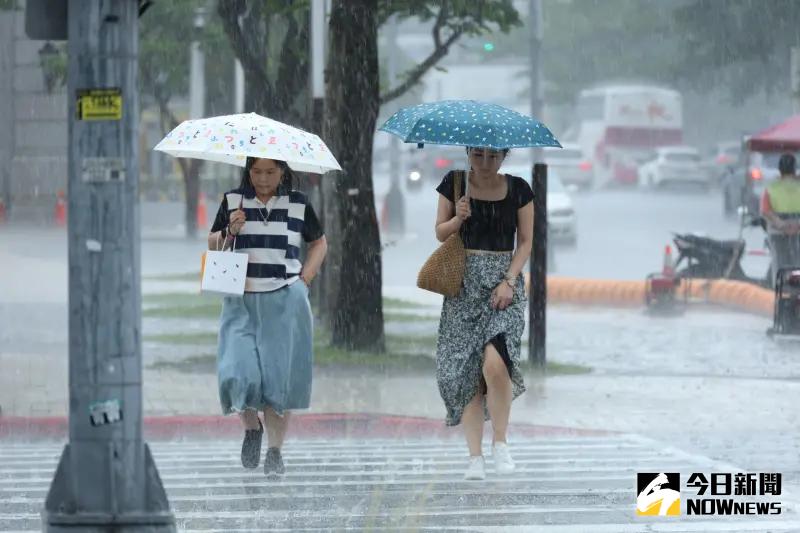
pixel 668 270
pixel 60 212
pixel 202 211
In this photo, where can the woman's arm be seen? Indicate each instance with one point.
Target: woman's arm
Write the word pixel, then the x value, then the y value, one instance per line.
pixel 447 222
pixel 316 255
pixel 524 240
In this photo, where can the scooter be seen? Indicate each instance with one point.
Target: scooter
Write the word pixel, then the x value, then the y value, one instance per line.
pixel 786 315
pixel 706 258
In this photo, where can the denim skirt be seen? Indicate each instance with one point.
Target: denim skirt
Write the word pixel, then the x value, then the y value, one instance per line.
pixel 264 355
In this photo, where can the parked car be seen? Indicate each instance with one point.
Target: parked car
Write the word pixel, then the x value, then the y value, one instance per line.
pixel 673 164
pixel 562 223
pixel 744 183
pixel 572 166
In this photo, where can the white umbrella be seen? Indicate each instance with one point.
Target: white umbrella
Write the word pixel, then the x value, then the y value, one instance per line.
pixel 233 138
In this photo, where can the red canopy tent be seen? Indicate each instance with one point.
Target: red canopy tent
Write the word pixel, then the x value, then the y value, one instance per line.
pixel 783 136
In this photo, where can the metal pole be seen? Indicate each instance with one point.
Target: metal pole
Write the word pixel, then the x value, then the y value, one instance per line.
pixel 794 81
pixel 318 15
pixel 535 28
pixel 538 292
pixel 106 479
pixel 395 202
pixel 197 85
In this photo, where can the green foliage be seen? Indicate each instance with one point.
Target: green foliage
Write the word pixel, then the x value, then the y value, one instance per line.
pixel 165 33
pixel 592 41
pixel 741 44
pixel 474 17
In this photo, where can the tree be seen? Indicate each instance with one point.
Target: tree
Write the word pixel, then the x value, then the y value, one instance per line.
pixel 164 59
pixel 352 105
pixel 743 44
pixel 260 31
pixel 270 38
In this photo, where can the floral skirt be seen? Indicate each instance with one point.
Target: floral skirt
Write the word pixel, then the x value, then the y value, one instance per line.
pixel 468 323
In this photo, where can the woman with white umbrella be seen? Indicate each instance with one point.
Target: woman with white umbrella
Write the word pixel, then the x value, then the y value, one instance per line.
pixel 265 339
pixel 264 358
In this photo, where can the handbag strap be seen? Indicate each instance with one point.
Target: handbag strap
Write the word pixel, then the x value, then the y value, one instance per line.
pixel 233 246
pixel 457 179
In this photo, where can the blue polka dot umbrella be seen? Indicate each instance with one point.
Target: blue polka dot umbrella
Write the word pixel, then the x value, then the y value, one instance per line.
pixel 468 123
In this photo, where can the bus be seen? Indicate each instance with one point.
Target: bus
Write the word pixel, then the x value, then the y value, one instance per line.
pixel 619 126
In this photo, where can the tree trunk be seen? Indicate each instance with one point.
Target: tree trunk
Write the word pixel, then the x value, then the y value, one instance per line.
pixel 354 272
pixel 191 182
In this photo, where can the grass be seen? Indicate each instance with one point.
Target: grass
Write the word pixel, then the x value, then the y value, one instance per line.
pixel 188 276
pixel 403 352
pixel 396 303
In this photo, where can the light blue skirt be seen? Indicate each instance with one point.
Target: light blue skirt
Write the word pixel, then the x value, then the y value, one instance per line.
pixel 264 357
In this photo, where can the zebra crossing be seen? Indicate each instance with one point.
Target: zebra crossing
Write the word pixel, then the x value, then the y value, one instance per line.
pixel 562 484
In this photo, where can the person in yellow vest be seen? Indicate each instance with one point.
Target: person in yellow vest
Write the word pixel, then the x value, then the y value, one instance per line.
pixel 780 206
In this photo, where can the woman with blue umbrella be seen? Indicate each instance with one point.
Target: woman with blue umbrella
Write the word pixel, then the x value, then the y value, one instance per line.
pixel 480 330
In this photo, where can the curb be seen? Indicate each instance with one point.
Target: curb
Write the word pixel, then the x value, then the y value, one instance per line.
pixel 328 425
pixel 727 293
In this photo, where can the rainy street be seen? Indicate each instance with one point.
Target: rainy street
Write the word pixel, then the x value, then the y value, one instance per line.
pixel 720 396
pixel 377 265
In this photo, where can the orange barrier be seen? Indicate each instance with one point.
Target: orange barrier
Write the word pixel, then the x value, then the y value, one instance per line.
pixel 727 293
pixel 60 210
pixel 202 211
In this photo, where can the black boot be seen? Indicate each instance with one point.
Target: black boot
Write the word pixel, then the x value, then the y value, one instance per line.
pixel 251 446
pixel 273 462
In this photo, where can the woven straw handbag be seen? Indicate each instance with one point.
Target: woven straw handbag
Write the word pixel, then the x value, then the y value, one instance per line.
pixel 443 272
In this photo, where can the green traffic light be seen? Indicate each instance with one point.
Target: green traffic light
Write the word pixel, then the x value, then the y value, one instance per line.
pixel 488 46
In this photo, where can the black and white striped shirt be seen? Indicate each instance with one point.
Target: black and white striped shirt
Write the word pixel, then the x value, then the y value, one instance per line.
pixel 271 236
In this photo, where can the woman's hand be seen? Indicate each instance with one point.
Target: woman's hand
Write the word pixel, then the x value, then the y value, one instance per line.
pixel 307 276
pixel 463 211
pixel 236 222
pixel 502 295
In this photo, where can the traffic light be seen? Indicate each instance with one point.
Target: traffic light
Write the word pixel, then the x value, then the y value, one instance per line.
pixel 488 47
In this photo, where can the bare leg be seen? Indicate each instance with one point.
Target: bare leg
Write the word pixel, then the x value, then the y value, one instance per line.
pixel 472 418
pixel 249 418
pixel 499 394
pixel 276 427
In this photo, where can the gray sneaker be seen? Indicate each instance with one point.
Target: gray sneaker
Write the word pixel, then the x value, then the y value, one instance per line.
pixel 273 463
pixel 251 446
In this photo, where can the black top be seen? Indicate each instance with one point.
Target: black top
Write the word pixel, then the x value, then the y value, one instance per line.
pixel 493 224
pixel 312 229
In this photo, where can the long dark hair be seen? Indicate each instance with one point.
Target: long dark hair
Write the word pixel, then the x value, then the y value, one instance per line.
pixel 284 187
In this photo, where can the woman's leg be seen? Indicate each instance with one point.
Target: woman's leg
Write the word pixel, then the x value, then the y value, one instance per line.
pixel 499 393
pixel 472 418
pixel 249 418
pixel 276 427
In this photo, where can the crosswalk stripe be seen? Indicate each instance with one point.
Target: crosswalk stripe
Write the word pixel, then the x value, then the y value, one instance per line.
pixel 561 485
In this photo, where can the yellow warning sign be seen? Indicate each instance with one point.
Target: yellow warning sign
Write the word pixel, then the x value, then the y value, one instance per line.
pixel 99 104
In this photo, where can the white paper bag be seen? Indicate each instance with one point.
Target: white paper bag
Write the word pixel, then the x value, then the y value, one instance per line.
pixel 224 272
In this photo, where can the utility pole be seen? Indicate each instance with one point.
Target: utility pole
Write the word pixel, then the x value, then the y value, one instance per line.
pixel 537 302
pixel 318 11
pixel 794 66
pixel 395 203
pixel 106 479
pixel 197 67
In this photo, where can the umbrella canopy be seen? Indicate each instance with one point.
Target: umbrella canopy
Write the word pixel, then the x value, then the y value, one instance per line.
pixel 783 136
pixel 233 138
pixel 468 123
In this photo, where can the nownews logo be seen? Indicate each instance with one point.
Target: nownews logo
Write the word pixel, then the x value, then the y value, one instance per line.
pixel 659 494
pixel 727 484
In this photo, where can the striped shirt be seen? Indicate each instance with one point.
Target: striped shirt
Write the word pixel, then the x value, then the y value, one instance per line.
pixel 271 236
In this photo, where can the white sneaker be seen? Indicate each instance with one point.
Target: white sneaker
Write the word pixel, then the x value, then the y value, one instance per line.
pixel 476 468
pixel 503 464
